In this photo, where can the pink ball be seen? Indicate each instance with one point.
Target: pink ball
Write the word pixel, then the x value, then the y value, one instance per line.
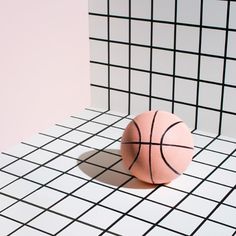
pixel 157 147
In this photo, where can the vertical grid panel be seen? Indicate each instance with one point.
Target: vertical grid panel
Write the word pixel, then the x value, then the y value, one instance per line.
pixel 188 42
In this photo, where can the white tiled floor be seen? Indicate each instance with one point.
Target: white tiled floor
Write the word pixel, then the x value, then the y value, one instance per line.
pixel 70 178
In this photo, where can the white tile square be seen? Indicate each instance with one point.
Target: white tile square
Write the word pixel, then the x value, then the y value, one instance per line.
pixel 187 38
pixel 72 122
pixel 212 228
pixel 75 136
pixel 138 104
pixel 83 229
pixel 162 61
pixel 55 131
pixel 98 142
pixel 164 10
pixel 20 167
pixel 225 177
pixel 66 183
pixel 222 146
pixel 185 90
pixel 225 214
pixel 42 175
pixel 162 231
pixel 227 128
pixel 186 65
pixel 197 205
pixel 45 197
pixel 6 178
pixel 40 156
pixel 229 96
pixel 5 201
pixel 141 9
pixel 149 211
pixel 140 57
pixel 204 123
pixel 111 178
pixel 112 133
pixel 98 26
pixel 15 212
pixel 107 119
pixel 25 230
pixel 162 86
pixel 199 170
pixel 186 113
pixel 100 217
pixel 210 157
pixel 209 43
pixel 103 159
pixel 160 104
pixel 59 146
pixel 232 15
pixel 185 183
pixel 188 11
pixel 177 220
pixel 119 29
pixel 98 51
pixel 231 199
pixel 7 226
pixel 98 75
pixel 125 202
pixel 119 78
pixel 120 8
pixel 230 71
pixel 135 227
pixel 231 49
pixel 98 6
pixel 140 32
pixel 78 151
pixel 201 140
pixel 211 191
pixel 211 69
pixel 167 196
pixel 119 101
pixel 62 163
pixel 71 206
pixel 20 188
pixel 38 140
pixel 163 35
pixel 6 160
pixel 20 150
pixel 42 222
pixel 209 95
pixel 92 127
pixel 119 54
pixel 88 114
pixel 88 190
pixel 140 82
pixel 210 18
pixel 230 163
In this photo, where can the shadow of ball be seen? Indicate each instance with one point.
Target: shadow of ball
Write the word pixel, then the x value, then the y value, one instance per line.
pixel 157 147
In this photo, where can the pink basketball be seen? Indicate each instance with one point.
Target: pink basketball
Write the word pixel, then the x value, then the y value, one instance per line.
pixel 157 147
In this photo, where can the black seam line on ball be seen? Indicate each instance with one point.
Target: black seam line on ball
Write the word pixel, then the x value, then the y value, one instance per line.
pixel 139 147
pixel 158 144
pixel 161 146
pixel 150 147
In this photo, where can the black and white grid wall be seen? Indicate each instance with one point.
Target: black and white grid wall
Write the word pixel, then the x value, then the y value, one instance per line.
pixel 174 55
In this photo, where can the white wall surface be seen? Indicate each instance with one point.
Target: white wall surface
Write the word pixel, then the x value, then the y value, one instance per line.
pixel 44 65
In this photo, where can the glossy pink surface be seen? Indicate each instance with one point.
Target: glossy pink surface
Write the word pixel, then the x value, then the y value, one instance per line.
pixel 157 147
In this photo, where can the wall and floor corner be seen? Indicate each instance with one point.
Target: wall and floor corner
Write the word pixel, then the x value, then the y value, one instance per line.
pixel 44 65
pixel 178 56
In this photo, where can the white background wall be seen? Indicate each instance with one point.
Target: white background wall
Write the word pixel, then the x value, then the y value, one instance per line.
pixel 44 69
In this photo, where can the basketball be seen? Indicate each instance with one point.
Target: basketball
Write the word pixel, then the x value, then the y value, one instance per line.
pixel 156 147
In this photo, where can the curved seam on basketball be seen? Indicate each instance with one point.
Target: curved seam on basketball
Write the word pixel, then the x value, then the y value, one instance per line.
pixel 139 147
pixel 161 149
pixel 150 147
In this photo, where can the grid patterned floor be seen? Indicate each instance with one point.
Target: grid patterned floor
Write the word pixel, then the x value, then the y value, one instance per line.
pixel 69 180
